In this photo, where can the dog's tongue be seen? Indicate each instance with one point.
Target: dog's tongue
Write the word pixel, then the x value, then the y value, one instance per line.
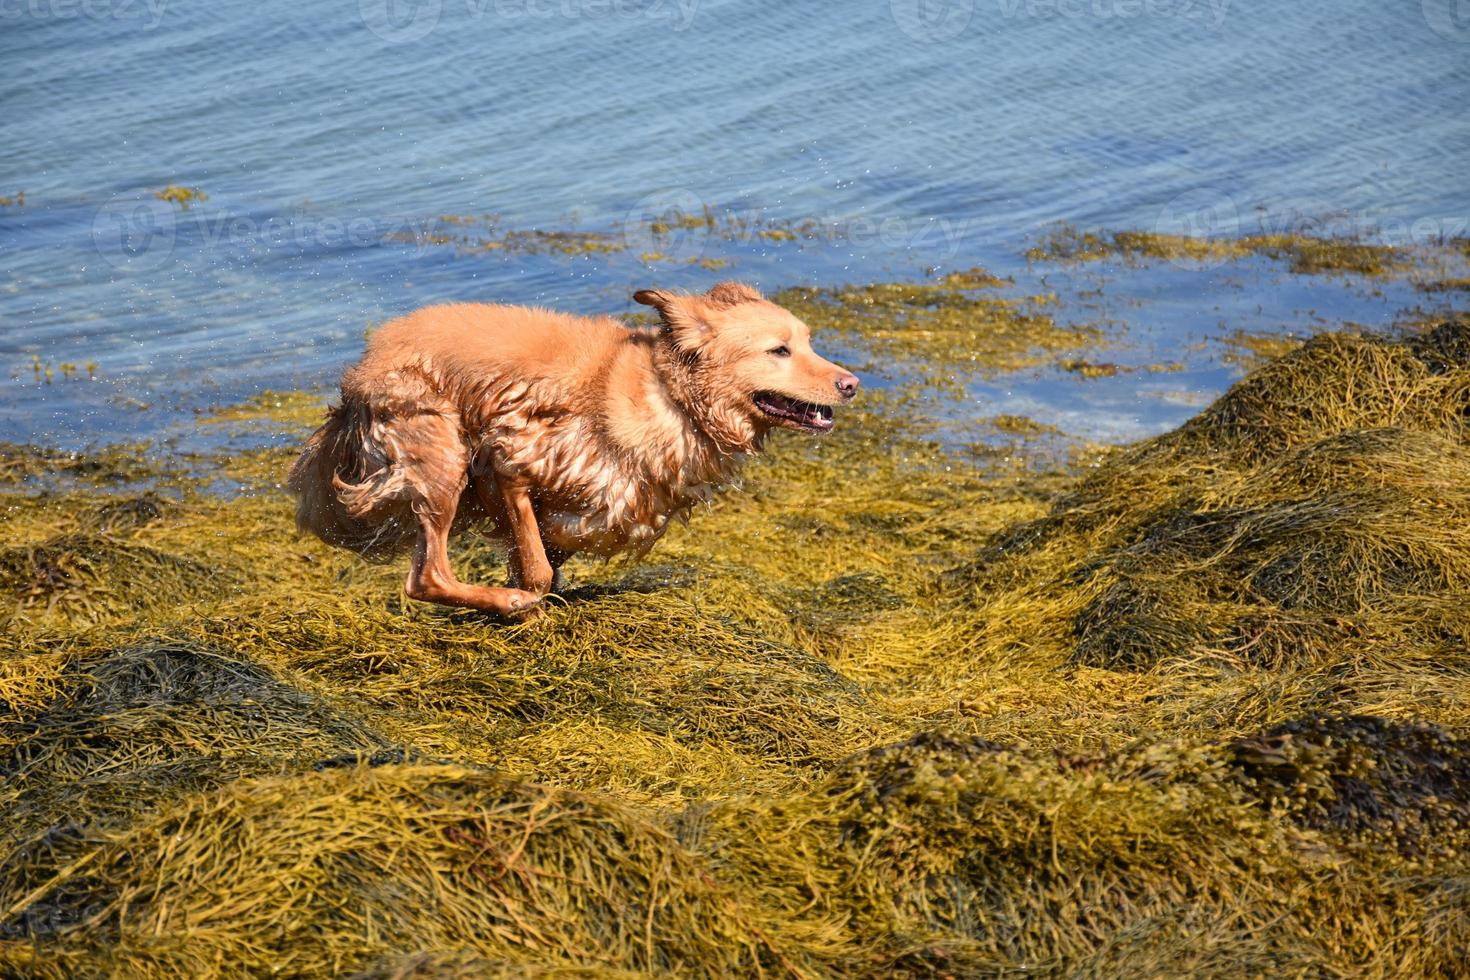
pixel 815 416
pixel 819 415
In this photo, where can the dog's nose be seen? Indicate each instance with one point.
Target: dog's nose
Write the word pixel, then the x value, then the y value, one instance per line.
pixel 847 385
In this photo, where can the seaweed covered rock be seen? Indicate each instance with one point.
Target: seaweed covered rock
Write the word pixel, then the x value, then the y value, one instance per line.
pixel 90 576
pixel 974 856
pixel 328 872
pixel 650 663
pixel 1334 383
pixel 127 513
pixel 1314 513
pixel 1351 542
pixel 141 726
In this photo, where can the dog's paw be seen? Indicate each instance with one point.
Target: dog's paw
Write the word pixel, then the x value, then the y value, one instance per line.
pixel 526 606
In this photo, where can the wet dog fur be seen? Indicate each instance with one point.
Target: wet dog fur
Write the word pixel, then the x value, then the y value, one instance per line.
pixel 556 433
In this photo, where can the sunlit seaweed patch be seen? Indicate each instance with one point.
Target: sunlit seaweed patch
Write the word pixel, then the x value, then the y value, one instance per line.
pixel 1304 254
pixel 1452 285
pixel 942 331
pixel 1024 427
pixel 45 371
pixel 478 234
pixel 1248 351
pixel 1199 707
pixel 295 409
pixel 109 464
pixel 1308 517
pixel 1090 369
pixel 1084 368
pixel 181 196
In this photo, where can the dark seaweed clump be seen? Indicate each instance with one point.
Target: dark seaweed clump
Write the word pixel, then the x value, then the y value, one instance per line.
pixel 1403 785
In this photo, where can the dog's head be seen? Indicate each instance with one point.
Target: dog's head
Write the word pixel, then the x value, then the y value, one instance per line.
pixel 753 360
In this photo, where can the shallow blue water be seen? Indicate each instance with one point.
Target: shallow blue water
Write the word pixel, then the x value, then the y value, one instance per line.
pixel 916 133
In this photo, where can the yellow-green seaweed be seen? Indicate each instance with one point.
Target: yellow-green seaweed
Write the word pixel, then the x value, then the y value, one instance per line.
pixel 184 197
pixel 1305 254
pixel 944 331
pixel 1197 708
pixel 1249 350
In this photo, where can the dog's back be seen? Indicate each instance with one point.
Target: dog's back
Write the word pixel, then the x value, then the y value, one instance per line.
pixel 432 374
pixel 461 347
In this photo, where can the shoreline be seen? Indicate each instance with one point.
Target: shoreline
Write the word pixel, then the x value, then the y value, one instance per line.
pixel 1153 324
pixel 887 709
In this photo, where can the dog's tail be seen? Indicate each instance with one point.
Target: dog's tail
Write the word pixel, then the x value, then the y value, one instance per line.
pixel 348 492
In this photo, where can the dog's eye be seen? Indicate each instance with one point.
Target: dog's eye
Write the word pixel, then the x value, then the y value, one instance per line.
pixel 782 351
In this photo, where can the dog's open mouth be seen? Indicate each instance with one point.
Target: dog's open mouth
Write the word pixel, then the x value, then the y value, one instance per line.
pixel 798 414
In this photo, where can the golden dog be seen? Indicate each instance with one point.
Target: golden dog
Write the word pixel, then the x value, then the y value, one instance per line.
pixel 562 434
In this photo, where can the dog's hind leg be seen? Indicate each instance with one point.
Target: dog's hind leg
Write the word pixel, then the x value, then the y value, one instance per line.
pixel 431 579
pixel 434 464
pixel 557 559
pixel 531 568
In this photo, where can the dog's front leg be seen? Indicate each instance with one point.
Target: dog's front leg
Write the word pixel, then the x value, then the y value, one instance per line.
pixel 535 573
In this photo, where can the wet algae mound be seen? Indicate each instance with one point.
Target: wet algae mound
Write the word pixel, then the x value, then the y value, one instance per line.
pixel 1315 515
pixel 1201 707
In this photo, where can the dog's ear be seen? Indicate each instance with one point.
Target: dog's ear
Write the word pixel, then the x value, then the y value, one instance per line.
pixel 683 323
pixel 733 293
pixel 656 298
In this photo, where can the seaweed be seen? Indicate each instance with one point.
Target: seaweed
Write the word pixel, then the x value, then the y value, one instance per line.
pixel 116 464
pixel 84 576
pixel 181 196
pixel 1303 254
pixel 1309 517
pixel 1458 284
pixel 130 727
pixel 1198 705
pixel 1373 781
pixel 941 331
pixel 481 234
pixel 1249 351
